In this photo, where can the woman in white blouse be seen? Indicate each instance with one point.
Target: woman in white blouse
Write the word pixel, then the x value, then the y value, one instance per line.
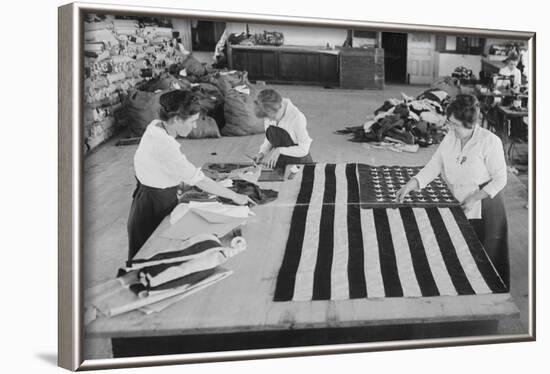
pixel 510 69
pixel 286 138
pixel 161 167
pixel 471 160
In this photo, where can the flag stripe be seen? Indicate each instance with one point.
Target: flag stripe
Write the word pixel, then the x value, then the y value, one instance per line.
pixel 403 255
pixel 339 272
pixel 420 262
pixel 322 276
pixel 356 274
pixel 304 277
pixel 458 277
pixel 481 258
pixel 284 289
pixel 468 264
pixel 392 284
pixel 433 253
pixel 373 273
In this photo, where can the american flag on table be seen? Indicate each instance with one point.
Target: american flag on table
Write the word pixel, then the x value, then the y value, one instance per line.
pixel 336 250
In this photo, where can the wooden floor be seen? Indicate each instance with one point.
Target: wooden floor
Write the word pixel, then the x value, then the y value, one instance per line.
pixel 109 181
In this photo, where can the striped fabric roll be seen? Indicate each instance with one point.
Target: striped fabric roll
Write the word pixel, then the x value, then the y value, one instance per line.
pixel 336 250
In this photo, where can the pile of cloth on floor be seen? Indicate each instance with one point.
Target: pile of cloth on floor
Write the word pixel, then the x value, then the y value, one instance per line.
pixel 406 121
pixel 151 284
pixel 225 96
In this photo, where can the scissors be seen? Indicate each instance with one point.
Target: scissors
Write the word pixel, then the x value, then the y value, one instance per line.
pixel 253 160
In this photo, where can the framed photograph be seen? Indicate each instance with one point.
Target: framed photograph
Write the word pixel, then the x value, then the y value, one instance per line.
pixel 238 186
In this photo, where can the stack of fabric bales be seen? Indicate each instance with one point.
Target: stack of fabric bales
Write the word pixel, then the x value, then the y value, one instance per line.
pixel 118 55
pixel 408 120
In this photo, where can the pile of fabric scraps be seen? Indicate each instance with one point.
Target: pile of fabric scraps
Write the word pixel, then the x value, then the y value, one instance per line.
pixel 463 73
pixel 239 185
pixel 154 283
pixel 413 121
pixel 244 171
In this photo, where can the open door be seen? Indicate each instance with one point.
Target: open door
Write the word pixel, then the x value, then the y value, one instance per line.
pixel 205 34
pixel 395 57
pixel 420 58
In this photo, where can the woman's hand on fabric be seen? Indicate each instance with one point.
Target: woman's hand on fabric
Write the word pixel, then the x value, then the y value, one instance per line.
pixel 406 189
pixel 271 159
pixel 258 158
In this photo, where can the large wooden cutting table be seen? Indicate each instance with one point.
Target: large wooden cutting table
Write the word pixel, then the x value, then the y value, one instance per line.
pixel 242 305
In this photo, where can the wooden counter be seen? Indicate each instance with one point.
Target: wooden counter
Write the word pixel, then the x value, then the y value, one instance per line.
pixel 239 312
pixel 287 64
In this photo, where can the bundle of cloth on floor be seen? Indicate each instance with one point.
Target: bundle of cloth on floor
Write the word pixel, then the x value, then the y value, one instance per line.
pixel 226 97
pixel 408 120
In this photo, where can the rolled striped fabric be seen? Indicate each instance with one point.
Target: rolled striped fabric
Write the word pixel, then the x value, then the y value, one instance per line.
pixel 336 250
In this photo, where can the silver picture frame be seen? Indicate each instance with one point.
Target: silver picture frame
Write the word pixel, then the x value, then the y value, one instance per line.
pixel 71 160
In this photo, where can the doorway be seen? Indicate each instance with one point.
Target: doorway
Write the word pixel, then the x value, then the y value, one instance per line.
pixel 205 35
pixel 395 57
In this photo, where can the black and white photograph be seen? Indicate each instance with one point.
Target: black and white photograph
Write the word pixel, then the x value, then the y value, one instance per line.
pixel 284 188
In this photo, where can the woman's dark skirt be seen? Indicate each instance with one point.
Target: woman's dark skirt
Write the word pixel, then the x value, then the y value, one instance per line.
pixel 492 231
pixel 149 207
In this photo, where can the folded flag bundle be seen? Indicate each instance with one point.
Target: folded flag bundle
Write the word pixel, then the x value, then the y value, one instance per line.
pixel 152 284
pixel 198 254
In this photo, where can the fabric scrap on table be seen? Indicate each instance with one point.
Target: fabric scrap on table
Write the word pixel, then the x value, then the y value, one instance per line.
pixel 220 171
pixel 253 191
pixel 192 224
pixel 215 212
